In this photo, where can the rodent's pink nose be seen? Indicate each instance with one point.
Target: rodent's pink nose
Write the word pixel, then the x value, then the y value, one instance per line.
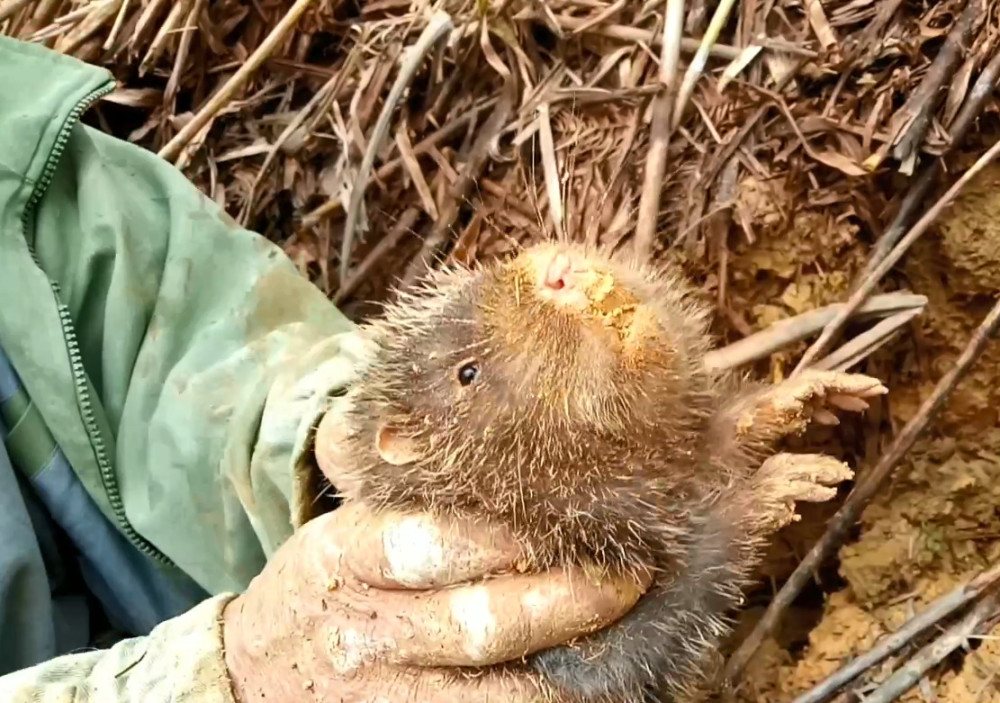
pixel 557 275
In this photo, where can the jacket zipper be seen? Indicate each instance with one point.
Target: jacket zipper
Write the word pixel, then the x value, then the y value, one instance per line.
pixel 108 478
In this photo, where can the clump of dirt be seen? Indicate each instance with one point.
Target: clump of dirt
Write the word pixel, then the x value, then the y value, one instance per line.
pixel 791 240
pixel 793 257
pixel 941 333
pixel 936 527
pixel 970 237
pixel 976 681
pixel 958 268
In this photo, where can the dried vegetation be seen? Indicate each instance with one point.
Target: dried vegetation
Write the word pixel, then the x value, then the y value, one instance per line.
pixel 798 141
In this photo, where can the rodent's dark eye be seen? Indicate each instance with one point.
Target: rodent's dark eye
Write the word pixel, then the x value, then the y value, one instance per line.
pixel 468 372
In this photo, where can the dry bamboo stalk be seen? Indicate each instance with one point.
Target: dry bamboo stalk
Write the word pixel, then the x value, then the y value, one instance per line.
pixel 918 110
pixel 11 7
pixel 221 97
pixel 403 225
pixel 795 329
pixel 867 343
pixel 632 34
pixel 72 41
pixel 177 10
pixel 914 198
pixel 697 65
pixel 440 24
pixel 933 614
pixel 449 130
pixel 550 169
pixel 459 191
pixel 869 283
pixel 660 130
pixel 184 47
pixel 910 674
pixel 116 28
pixel 322 96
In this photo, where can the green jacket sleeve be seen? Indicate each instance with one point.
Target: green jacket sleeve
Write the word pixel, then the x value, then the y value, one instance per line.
pixel 180 661
pixel 179 361
pixel 208 350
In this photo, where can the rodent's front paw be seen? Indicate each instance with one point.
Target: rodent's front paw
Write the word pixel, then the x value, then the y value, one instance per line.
pixel 785 479
pixel 813 395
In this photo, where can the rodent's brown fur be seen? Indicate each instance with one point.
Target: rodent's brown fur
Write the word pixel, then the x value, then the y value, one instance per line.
pixel 598 436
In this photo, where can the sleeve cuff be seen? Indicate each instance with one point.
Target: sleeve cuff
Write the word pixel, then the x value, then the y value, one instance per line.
pixel 296 403
pixel 181 661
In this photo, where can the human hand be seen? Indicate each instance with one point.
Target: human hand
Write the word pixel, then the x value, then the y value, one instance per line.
pixel 359 607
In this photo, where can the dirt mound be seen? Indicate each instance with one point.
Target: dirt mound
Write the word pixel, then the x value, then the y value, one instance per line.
pixel 938 524
pixel 970 237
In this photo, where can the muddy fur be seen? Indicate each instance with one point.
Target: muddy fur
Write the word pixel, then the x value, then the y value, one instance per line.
pixel 607 444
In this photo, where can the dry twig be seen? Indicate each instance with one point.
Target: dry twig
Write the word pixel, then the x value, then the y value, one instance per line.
pixel 980 618
pixel 795 329
pixel 970 110
pixel 459 192
pixel 931 615
pixel 915 116
pixel 440 24
pixel 872 280
pixel 277 35
pixel 402 227
pixel 656 159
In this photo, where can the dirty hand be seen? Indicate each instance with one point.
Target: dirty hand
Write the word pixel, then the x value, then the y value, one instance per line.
pixel 352 609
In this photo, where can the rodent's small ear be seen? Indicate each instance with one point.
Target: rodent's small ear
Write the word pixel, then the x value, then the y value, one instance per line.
pixel 395 447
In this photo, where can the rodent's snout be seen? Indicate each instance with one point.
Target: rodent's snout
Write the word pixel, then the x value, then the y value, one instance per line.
pixel 560 275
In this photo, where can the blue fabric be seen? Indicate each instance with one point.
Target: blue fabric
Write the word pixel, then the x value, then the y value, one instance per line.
pixel 133 591
pixel 27 631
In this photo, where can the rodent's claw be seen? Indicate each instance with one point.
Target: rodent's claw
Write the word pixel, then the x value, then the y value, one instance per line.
pixel 813 396
pixel 848 402
pixel 825 417
pixel 785 479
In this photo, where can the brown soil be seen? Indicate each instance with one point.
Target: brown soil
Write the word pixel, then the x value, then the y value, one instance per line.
pixel 938 523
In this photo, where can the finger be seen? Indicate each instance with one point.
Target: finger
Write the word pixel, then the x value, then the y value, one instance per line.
pixel 848 402
pixel 404 685
pixel 500 619
pixel 391 549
